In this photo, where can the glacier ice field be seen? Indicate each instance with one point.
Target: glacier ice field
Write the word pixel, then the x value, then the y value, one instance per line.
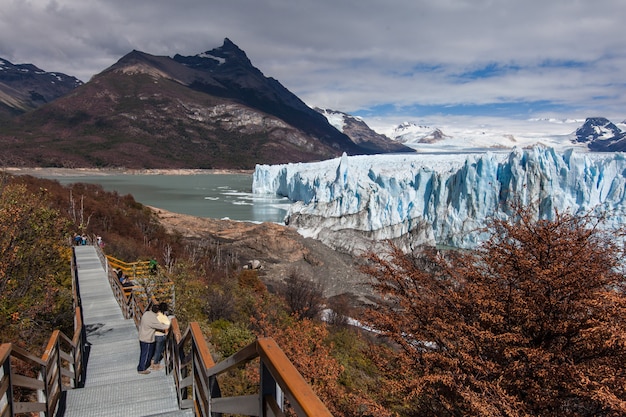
pixel 442 199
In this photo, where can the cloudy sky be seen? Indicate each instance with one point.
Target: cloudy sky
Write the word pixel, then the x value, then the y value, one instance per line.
pixel 381 59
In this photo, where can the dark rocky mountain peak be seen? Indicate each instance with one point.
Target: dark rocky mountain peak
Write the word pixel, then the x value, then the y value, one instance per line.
pixel 24 87
pixel 234 77
pixel 210 110
pixel 360 133
pixel 596 128
pixel 230 52
pixel 600 134
pixel 226 56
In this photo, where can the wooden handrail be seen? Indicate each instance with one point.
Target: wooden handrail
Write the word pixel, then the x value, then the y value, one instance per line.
pixel 276 368
pixel 187 358
pixel 132 269
pixel 60 367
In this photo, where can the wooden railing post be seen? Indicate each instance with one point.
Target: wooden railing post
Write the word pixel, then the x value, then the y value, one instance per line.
pixel 43 394
pixel 53 370
pixel 6 386
pixel 270 393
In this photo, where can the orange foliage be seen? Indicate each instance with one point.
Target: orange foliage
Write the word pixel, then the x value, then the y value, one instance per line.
pixel 532 323
pixel 303 341
pixel 34 273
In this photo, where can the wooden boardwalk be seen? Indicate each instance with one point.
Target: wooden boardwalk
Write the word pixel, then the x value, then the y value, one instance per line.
pixel 112 385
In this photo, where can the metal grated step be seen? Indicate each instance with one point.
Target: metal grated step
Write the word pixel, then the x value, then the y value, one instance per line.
pixel 112 385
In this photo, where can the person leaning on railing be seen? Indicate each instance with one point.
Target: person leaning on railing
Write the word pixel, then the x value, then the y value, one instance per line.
pixel 147 327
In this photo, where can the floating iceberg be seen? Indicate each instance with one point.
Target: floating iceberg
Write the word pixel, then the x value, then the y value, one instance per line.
pixel 443 199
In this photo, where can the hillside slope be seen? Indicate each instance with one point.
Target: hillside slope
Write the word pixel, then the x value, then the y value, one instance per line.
pixel 211 110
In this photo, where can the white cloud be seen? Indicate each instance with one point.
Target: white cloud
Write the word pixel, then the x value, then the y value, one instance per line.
pixel 353 55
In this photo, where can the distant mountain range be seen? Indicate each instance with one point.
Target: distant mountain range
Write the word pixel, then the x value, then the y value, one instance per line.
pixel 211 110
pixel 596 134
pixel 25 87
pixel 360 133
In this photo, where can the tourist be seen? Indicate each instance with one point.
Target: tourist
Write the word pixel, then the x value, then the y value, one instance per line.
pixel 159 338
pixel 148 325
pixel 123 278
pixel 153 266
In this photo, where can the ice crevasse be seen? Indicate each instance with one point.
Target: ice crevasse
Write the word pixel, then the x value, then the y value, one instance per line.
pixel 352 202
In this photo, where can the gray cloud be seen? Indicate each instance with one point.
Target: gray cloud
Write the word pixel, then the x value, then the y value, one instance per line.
pixel 353 56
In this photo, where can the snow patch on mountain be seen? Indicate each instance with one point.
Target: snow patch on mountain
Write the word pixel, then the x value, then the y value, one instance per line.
pixel 464 134
pixel 335 118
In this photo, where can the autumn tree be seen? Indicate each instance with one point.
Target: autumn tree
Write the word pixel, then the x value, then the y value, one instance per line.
pixel 35 279
pixel 307 345
pixel 304 297
pixel 529 324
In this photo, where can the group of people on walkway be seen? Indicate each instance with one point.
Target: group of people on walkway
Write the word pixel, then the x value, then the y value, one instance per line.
pixel 153 328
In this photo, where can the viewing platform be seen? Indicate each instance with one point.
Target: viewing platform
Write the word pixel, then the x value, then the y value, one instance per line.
pixel 112 386
pixel 94 372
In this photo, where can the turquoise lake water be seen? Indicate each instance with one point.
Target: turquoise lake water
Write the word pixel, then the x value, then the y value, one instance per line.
pixel 203 195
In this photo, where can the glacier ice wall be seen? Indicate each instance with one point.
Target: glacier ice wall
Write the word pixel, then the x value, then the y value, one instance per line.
pixel 439 199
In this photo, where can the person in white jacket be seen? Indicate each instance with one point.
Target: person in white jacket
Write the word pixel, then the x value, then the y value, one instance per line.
pixel 148 325
pixel 159 338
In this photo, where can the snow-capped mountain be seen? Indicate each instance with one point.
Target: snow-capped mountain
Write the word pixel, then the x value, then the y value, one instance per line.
pixel 492 135
pixel 351 203
pixel 360 133
pixel 600 134
pixel 411 134
pixel 593 134
pixel 25 87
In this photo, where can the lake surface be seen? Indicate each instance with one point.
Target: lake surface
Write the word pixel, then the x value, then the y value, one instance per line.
pixel 202 195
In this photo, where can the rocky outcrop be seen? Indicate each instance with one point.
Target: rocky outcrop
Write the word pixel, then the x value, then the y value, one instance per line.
pixel 280 250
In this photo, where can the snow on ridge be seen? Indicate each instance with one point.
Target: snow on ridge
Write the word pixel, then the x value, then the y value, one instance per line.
pixel 219 59
pixel 439 198
pixel 336 119
pixel 460 133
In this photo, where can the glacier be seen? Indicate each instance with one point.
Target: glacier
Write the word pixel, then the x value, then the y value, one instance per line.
pixel 353 203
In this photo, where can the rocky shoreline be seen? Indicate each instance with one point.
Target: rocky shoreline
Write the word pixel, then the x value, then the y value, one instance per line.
pixel 115 171
pixel 280 249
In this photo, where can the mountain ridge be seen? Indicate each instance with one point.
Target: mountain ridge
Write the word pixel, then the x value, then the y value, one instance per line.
pixel 24 87
pixel 213 110
pixel 216 111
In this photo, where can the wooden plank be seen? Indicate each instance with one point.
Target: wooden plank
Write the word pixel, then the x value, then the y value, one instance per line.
pixel 272 405
pixel 52 402
pixel 66 356
pixel 5 351
pixel 201 401
pixel 297 390
pixel 6 411
pixel 52 345
pixel 24 407
pixel 245 354
pixel 186 404
pixel 201 345
pixel 186 382
pixel 26 356
pixel 68 373
pixel 247 405
pixel 27 382
pixel 4 386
